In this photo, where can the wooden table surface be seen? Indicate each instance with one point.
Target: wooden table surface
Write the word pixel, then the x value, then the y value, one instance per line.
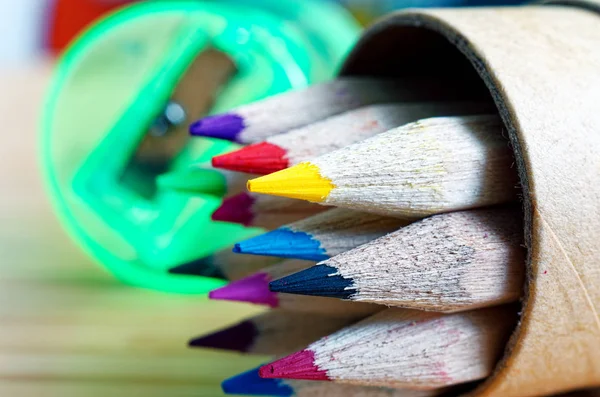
pixel 67 328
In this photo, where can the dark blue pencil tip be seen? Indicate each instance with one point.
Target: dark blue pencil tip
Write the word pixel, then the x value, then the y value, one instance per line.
pixel 200 267
pixel 285 243
pixel 319 280
pixel 250 384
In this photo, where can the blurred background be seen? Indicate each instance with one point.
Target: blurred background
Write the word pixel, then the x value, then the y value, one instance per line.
pixel 32 27
pixel 67 327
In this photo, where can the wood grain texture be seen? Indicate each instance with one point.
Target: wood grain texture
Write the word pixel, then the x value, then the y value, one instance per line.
pixel 541 66
pixel 297 108
pixel 450 262
pixel 405 349
pixel 339 230
pixel 433 165
pixel 336 132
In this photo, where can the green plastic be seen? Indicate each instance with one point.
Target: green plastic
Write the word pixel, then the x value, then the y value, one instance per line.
pixel 114 81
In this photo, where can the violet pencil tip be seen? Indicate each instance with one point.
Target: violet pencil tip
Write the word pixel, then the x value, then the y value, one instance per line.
pixel 252 289
pixel 226 126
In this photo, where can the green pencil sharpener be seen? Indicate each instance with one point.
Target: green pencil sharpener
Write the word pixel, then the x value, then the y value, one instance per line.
pixel 106 128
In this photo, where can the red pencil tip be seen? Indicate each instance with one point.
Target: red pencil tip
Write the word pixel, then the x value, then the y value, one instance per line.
pixel 252 289
pixel 235 209
pixel 300 365
pixel 260 158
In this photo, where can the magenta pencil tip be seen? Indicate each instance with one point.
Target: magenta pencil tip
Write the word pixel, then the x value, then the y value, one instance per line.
pixel 252 289
pixel 235 209
pixel 300 365
pixel 222 126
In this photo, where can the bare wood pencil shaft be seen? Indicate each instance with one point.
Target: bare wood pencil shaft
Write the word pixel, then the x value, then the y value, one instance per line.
pixel 280 113
pixel 449 262
pixel 429 351
pixel 235 267
pixel 405 349
pixel 339 230
pixel 435 165
pixel 329 389
pixel 337 132
pixel 272 212
pixel 282 332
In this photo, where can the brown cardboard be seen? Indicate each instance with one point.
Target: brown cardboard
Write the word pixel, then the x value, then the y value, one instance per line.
pixel 541 63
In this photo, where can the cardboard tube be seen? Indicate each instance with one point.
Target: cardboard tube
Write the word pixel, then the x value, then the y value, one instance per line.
pixel 541 65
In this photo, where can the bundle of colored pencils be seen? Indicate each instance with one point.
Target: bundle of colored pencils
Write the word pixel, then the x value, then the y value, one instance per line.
pixel 409 287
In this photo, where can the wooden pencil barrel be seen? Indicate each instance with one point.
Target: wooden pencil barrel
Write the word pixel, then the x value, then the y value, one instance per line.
pixel 540 64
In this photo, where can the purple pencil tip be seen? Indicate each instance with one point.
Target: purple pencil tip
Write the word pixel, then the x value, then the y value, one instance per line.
pixel 252 289
pixel 223 126
pixel 237 338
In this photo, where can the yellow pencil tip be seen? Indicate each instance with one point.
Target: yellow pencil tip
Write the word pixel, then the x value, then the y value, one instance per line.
pixel 303 181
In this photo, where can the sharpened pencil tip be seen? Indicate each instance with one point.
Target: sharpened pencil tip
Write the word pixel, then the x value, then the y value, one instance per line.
pixel 235 209
pixel 261 158
pixel 237 338
pixel 251 384
pixel 222 126
pixel 284 243
pixel 299 365
pixel 252 289
pixel 319 280
pixel 303 181
pixel 200 267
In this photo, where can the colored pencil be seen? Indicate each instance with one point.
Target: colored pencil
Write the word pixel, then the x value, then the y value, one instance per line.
pixel 321 236
pixel 406 349
pixel 249 383
pixel 205 180
pixel 290 148
pixel 449 262
pixel 431 166
pixel 225 265
pixel 255 289
pixel 275 332
pixel 267 212
pixel 259 120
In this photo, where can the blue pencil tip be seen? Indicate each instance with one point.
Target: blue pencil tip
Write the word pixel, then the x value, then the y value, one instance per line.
pixel 319 280
pixel 285 243
pixel 250 384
